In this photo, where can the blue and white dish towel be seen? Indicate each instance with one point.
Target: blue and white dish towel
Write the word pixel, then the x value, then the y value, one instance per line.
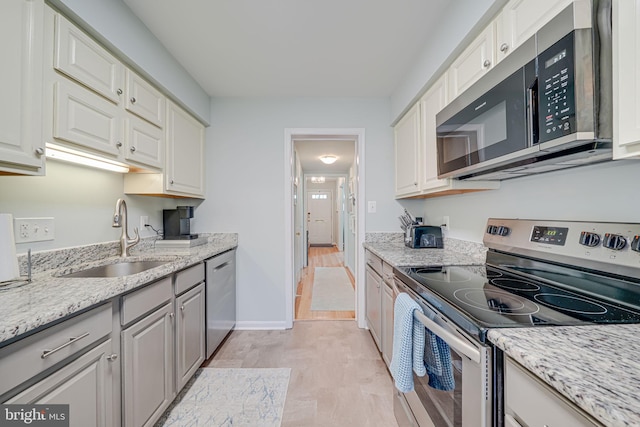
pixel 417 349
pixel 408 343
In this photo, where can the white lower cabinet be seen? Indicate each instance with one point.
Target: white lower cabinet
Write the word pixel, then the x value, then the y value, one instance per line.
pixel 530 403
pixel 387 322
pixel 190 334
pixel 86 385
pixel 148 367
pixel 373 287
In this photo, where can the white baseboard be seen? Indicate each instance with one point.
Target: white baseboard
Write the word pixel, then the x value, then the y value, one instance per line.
pixel 250 325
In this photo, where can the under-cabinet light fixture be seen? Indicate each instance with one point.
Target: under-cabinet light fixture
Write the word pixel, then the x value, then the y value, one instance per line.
pixel 70 155
pixel 328 159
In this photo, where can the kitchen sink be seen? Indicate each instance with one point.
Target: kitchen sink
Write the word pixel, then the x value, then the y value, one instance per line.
pixel 119 269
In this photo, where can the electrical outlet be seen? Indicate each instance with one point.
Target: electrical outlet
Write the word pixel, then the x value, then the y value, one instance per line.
pixel 371 207
pixel 33 229
pixel 144 220
pixel 445 223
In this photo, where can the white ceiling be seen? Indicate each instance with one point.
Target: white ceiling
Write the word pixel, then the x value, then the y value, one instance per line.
pixel 309 152
pixel 330 48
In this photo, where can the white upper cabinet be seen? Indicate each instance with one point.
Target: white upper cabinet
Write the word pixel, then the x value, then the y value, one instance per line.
pixel 144 100
pixel 21 48
pixel 407 140
pixel 431 103
pixel 81 58
pixel 144 142
pixel 626 79
pixel 473 63
pixel 520 19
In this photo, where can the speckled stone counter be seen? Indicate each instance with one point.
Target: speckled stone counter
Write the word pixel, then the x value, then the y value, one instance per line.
pixel 390 247
pixel 595 367
pixel 49 297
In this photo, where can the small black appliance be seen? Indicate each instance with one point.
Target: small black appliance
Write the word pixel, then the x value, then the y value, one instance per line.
pixel 177 223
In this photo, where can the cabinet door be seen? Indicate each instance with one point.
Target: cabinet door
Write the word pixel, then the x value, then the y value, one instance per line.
pixel 86 385
pixel 147 368
pixel 144 100
pixel 373 284
pixel 407 139
pixel 144 142
pixel 21 50
pixel 185 152
pixel 626 78
pixel 86 119
pixel 431 103
pixel 387 323
pixel 78 56
pixel 520 19
pixel 473 63
pixel 190 324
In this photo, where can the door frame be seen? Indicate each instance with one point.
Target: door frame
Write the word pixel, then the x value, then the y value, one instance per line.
pixel 290 135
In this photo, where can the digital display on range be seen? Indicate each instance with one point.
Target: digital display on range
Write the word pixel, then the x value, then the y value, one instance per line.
pixel 556 58
pixel 550 235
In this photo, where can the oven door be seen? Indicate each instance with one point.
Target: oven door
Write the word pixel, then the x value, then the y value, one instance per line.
pixel 470 403
pixel 489 130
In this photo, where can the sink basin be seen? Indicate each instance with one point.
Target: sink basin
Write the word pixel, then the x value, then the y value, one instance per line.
pixel 119 269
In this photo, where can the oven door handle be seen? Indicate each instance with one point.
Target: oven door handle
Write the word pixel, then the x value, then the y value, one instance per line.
pixel 456 343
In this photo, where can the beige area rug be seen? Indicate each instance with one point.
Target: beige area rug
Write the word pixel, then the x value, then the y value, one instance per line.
pixel 332 290
pixel 217 397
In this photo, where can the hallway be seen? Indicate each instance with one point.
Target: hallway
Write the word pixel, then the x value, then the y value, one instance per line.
pixel 319 257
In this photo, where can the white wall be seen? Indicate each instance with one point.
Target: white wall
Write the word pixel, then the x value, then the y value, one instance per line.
pixel 82 201
pixel 116 26
pixel 245 183
pixel 602 192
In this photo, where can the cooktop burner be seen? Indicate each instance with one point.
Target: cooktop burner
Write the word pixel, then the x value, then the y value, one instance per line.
pixel 570 303
pixel 496 301
pixel 515 284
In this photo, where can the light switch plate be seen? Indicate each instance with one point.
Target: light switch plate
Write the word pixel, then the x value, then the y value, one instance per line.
pixel 33 229
pixel 371 207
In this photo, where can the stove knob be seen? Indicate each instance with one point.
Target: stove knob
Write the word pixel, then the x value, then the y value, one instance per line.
pixel 589 239
pixel 503 231
pixel 635 244
pixel 492 229
pixel 614 241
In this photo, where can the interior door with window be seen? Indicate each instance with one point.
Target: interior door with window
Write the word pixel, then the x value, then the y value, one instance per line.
pixel 320 217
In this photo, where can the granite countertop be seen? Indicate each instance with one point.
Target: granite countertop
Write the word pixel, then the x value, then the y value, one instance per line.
pixel 49 298
pixel 390 247
pixel 596 367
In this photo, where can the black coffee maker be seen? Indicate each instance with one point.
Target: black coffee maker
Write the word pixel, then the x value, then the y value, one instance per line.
pixel 177 223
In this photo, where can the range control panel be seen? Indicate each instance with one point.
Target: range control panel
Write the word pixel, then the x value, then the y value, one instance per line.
pixel 567 241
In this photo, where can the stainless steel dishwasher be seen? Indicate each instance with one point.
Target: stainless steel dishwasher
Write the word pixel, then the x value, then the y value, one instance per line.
pixel 221 298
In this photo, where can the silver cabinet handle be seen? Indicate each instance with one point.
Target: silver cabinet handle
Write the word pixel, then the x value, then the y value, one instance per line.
pixel 119 91
pixel 39 151
pixel 171 315
pixel 486 63
pixel 171 182
pixel 118 144
pixel 182 308
pixel 504 47
pixel 47 353
pixel 133 149
pixel 133 100
pixel 112 358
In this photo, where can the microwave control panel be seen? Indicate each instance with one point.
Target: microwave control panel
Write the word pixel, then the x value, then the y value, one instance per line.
pixel 556 86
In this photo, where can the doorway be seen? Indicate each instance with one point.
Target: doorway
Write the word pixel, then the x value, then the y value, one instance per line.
pixel 347 230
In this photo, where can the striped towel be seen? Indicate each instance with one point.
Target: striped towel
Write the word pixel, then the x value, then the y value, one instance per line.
pixel 437 359
pixel 408 343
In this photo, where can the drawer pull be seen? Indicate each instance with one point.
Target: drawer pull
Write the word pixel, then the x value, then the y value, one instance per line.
pixel 47 353
pixel 112 358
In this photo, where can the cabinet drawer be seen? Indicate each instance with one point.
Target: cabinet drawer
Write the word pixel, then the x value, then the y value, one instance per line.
pixel 374 261
pixel 387 272
pixel 143 301
pixel 529 401
pixel 36 353
pixel 188 278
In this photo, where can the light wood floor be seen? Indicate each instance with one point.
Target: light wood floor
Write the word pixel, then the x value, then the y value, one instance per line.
pixel 319 257
pixel 338 378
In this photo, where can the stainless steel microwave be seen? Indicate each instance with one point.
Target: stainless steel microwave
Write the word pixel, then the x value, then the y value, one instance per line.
pixel 546 106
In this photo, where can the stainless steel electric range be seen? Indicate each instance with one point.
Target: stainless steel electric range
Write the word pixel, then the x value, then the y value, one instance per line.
pixel 537 274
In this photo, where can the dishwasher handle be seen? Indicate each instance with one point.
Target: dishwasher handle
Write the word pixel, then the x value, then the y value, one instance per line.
pixel 220 267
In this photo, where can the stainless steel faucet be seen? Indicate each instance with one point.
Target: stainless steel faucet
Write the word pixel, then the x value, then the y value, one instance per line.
pixel 120 220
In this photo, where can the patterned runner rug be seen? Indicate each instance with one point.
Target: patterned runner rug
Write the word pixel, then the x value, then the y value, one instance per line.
pixel 230 397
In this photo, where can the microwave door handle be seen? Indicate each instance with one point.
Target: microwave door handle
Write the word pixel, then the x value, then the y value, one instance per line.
pixel 458 344
pixel 532 113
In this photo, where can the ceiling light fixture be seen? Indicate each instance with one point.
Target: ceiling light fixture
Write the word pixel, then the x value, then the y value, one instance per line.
pixel 317 179
pixel 65 154
pixel 329 159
